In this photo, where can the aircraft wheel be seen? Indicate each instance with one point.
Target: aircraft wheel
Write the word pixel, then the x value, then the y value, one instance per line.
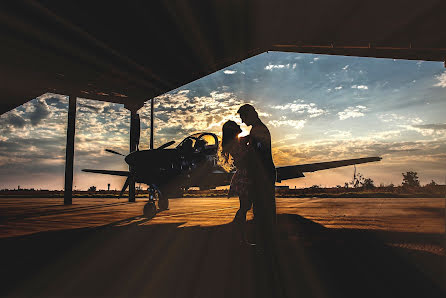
pixel 149 210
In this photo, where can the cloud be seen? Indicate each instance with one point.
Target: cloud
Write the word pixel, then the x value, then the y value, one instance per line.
pixel 400 119
pixel 26 119
pixel 185 91
pixel 172 130
pixel 441 80
pixel 220 95
pixel 229 72
pixel 92 108
pixel 298 124
pixel 398 153
pixel 339 134
pixel 361 87
pixel 57 101
pixel 12 119
pixel 182 113
pixel 385 135
pixel 437 130
pixel 271 67
pixel 40 112
pixel 352 112
pixel 414 123
pixel 436 126
pixel 88 105
pixel 298 106
pixel 391 117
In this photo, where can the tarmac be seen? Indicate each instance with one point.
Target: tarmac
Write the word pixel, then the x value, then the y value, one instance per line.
pixel 325 248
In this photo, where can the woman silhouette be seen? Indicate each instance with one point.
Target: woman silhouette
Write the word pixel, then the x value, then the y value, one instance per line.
pixel 237 148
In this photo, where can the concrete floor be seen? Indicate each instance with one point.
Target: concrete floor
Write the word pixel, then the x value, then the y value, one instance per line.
pixel 326 248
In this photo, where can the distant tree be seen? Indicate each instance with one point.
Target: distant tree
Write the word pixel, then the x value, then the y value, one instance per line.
pixel 315 186
pixel 92 188
pixel 357 181
pixel 432 183
pixel 338 186
pixel 368 183
pixel 410 179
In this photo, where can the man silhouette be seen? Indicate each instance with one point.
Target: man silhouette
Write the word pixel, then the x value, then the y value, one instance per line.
pixel 262 174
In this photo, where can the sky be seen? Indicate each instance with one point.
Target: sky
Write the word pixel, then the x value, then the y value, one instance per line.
pixel 317 107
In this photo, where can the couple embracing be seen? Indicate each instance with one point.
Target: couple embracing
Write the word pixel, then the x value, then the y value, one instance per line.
pixel 254 180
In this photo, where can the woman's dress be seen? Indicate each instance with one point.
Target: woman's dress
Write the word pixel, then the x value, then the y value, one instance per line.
pixel 240 182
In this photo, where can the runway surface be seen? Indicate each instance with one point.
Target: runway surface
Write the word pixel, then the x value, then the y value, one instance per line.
pixel 325 248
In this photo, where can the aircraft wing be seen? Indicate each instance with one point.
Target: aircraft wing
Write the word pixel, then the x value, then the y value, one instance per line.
pixel 290 172
pixel 108 172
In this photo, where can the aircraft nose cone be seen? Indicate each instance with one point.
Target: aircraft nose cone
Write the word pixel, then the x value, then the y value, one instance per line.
pixel 143 157
pixel 131 158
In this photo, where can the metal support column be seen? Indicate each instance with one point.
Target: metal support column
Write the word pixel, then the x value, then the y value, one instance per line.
pixel 151 123
pixel 133 145
pixel 69 157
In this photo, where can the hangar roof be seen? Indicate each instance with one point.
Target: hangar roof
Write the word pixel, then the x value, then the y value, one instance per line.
pixel 130 51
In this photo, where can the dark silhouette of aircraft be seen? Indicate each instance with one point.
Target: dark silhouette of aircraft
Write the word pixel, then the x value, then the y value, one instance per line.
pixel 195 162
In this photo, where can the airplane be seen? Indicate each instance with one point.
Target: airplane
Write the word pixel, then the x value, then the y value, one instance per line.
pixel 195 162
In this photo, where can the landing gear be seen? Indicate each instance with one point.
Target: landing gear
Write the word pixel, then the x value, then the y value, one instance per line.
pixel 149 210
pixel 156 195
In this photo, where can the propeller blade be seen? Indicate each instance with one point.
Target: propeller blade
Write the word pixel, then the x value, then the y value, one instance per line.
pixel 107 172
pixel 126 184
pixel 114 152
pixel 165 145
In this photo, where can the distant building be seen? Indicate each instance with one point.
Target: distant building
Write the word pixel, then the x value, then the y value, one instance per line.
pixel 282 187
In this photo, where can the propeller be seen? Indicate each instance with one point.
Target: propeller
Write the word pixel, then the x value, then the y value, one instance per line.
pixel 134 137
pixel 165 145
pixel 114 152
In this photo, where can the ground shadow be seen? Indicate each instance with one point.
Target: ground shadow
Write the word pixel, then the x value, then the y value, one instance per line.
pixel 166 261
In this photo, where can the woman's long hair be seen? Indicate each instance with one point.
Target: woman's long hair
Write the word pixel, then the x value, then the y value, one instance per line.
pixel 230 132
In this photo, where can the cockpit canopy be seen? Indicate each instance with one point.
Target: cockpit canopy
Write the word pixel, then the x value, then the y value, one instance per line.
pixel 203 142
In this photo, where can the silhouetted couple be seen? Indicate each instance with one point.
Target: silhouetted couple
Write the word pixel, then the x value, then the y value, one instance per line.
pixel 253 181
